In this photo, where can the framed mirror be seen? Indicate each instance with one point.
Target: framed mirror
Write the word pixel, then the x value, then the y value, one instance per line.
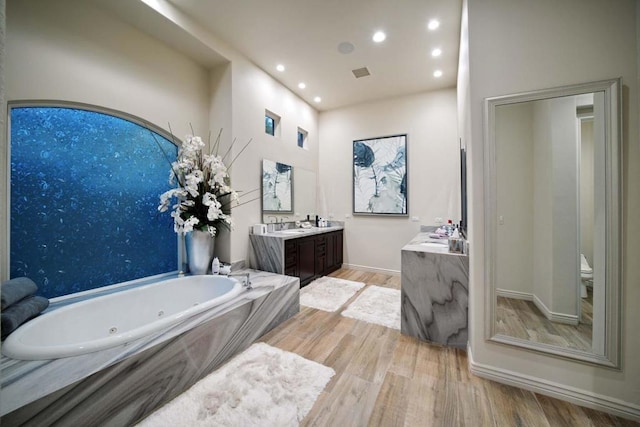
pixel 304 198
pixel 552 226
pixel 277 187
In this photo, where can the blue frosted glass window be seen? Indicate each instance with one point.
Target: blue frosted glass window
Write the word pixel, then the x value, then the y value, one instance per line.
pixel 84 194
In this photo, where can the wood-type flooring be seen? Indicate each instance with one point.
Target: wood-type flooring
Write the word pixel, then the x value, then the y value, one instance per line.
pixel 522 319
pixel 384 378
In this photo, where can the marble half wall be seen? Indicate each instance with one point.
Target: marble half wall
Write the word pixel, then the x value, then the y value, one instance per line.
pixel 139 382
pixel 435 297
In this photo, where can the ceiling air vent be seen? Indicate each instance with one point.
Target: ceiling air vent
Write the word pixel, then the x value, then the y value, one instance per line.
pixel 361 72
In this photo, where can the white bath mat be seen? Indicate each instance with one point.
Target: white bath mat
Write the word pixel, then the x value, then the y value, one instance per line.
pixel 376 305
pixel 328 293
pixel 263 386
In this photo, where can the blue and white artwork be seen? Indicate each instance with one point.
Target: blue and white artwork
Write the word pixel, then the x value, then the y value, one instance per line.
pixel 277 186
pixel 380 175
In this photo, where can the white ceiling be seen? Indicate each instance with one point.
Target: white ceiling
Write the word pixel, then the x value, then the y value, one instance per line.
pixel 304 35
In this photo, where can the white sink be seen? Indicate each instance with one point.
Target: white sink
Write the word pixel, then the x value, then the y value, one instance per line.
pixel 435 244
pixel 294 231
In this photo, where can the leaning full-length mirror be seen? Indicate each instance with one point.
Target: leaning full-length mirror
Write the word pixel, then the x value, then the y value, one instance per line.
pixel 553 223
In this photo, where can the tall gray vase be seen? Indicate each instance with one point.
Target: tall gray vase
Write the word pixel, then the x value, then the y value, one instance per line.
pixel 200 246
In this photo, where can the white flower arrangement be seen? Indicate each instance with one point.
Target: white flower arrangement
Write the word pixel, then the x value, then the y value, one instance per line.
pixel 203 180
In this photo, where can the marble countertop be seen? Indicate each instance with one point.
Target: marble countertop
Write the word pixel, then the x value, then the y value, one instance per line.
pixel 423 243
pixel 290 234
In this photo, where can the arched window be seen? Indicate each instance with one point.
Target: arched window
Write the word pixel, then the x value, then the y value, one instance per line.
pixel 85 188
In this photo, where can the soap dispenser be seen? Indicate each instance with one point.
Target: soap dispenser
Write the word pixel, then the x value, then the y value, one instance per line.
pixel 215 266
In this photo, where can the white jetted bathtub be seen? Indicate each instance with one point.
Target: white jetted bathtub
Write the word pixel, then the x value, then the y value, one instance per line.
pixel 110 320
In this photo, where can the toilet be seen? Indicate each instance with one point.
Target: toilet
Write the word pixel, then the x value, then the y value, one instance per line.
pixel 586 275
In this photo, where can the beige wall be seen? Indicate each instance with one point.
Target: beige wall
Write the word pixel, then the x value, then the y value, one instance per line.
pixel 4 265
pixel 252 91
pixel 537 45
pixel 76 52
pixel 515 231
pixel 429 120
pixel 587 182
pixel 79 52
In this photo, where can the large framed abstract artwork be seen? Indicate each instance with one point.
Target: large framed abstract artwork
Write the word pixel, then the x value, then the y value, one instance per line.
pixel 380 176
pixel 277 187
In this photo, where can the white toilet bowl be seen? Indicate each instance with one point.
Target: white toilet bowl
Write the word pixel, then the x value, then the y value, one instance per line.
pixel 586 275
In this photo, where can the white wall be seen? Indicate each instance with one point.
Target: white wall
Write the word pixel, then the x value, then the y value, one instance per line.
pixel 555 207
pixel 429 120
pixel 542 204
pixel 587 183
pixel 76 51
pixel 73 51
pixel 253 92
pixel 4 264
pixel 536 45
pixel 564 172
pixel 514 164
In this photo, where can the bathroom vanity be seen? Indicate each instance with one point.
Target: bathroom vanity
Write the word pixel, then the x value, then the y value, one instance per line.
pixel 304 253
pixel 435 292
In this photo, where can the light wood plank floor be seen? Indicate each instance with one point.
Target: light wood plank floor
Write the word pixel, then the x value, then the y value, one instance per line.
pixel 522 319
pixel 384 378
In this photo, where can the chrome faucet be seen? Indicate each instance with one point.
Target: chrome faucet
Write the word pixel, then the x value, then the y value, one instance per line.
pixel 247 279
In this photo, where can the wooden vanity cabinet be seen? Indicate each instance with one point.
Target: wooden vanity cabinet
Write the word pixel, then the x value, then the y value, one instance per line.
pixel 313 256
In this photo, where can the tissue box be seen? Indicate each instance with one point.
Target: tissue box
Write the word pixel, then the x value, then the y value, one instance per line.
pixel 259 229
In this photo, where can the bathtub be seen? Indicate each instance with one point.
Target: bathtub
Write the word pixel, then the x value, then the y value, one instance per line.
pixel 111 320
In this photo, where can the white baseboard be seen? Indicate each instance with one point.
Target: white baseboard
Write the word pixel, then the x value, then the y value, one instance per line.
pixel 371 269
pixel 559 391
pixel 552 316
pixel 568 319
pixel 514 294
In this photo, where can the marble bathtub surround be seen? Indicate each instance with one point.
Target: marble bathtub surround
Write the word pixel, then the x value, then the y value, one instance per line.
pixel 435 292
pixel 249 391
pixel 328 293
pixel 121 385
pixel 377 305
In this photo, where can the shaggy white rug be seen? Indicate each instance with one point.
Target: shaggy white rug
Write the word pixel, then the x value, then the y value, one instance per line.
pixel 263 386
pixel 376 305
pixel 328 293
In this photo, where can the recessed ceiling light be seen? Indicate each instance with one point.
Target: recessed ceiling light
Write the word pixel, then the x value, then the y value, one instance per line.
pixel 436 52
pixel 301 85
pixel 280 67
pixel 437 73
pixel 379 37
pixel 317 99
pixel 433 24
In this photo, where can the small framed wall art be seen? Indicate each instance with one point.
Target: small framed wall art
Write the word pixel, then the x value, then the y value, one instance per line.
pixel 277 187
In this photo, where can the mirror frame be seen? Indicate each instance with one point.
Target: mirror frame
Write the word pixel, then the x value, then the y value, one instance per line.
pixel 612 89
